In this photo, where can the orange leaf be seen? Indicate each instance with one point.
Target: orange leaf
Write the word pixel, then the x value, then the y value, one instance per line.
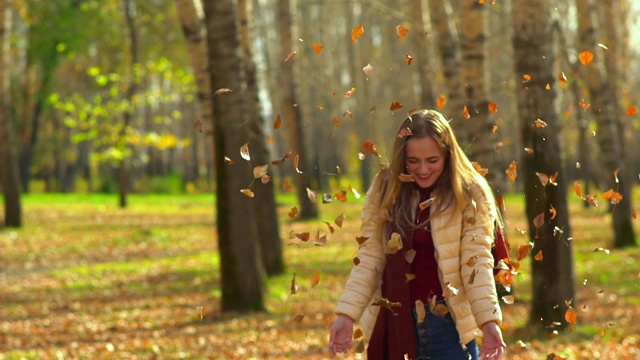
pixel 562 77
pixel 282 159
pixel 441 101
pixel 244 152
pixel 315 279
pixel 544 178
pixel 614 196
pixel 553 212
pixel 465 112
pixel 356 32
pixel 290 56
pixel 401 31
pixel 495 128
pixel 294 212
pixel 339 220
pixel 538 221
pixel 571 315
pixel 631 110
pixel 395 106
pixel 538 256
pixel 633 213
pixel 586 57
pixel 369 148
pixel 247 192
pixel 539 123
pixel 341 195
pixel 286 186
pixel 296 159
pixel 361 239
pixel 277 122
pixel 404 132
pixel 511 171
pixel 336 121
pixel 615 174
pixel 528 150
pixel 577 188
pixel 260 171
pixel 523 251
pixel 409 59
pixel 526 78
pixel 331 228
pixel 228 161
pixel 317 48
pixel 303 236
pixel 493 107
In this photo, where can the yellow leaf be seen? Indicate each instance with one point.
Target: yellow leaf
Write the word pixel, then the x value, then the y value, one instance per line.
pixel 409 277
pixel 420 310
pixel 394 244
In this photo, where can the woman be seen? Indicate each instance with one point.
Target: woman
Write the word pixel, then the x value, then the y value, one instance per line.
pixel 424 284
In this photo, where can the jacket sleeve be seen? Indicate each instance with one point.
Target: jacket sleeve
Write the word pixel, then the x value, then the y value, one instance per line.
pixel 476 260
pixel 365 277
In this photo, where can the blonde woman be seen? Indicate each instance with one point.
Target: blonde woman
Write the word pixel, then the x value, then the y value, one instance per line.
pixel 424 287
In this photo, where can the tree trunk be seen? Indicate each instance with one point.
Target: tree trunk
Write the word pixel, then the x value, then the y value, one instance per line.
pixel 9 179
pixel 449 49
pixel 242 271
pixel 610 141
pixel 291 112
pixel 264 201
pixel 423 53
pixel 553 275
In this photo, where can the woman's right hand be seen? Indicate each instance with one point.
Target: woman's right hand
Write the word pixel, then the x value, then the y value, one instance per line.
pixel 341 335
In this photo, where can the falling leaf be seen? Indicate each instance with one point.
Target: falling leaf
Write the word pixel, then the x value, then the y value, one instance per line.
pixel 394 244
pixel 368 148
pixel 420 311
pixel 615 174
pixel 562 78
pixel 553 212
pixel 526 78
pixel 449 290
pixel 538 256
pixel 265 179
pixel 347 113
pixel 339 220
pixel 438 308
pixel 277 123
pixel 509 299
pixel 401 31
pixel 312 195
pixel 368 70
pixel 631 110
pixel 512 171
pixel 268 139
pixel 404 132
pixel 223 91
pixel 355 192
pixel 282 159
pixel 586 57
pixel 538 221
pixel 298 318
pixel 408 59
pixel 331 228
pixel 528 150
pixel 523 251
pixel 465 113
pixel 539 124
pixel 603 250
pixel 294 285
pixel 296 160
pixel 425 204
pixel 502 205
pixel 349 93
pixel 286 186
pixel 544 178
pixel 406 178
pixel 315 279
pixel 326 198
pixel 495 128
pixel 260 171
pixel 303 236
pixel 247 192
pixel 633 213
pixel 395 106
pixel 577 188
pixel 358 334
pixel 356 261
pixel 493 107
pixel 482 171
pixel 614 196
pixel 200 311
pixel 409 255
pixel 290 56
pixel 472 261
pixel 317 48
pixel 244 152
pixel 320 240
pixel 336 121
pixel 548 87
pixel 228 161
pixel 341 196
pixel 409 277
pixel 571 315
pixel 356 32
pixel 293 212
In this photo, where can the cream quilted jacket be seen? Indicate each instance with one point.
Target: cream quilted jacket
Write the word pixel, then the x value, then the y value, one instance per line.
pixel 458 237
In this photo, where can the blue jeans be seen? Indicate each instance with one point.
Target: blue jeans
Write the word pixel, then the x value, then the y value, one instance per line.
pixel 438 339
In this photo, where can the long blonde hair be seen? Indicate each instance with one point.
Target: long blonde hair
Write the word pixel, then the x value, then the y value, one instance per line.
pixel 452 189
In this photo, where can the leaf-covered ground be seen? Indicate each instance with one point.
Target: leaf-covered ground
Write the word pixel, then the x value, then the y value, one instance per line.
pixel 86 280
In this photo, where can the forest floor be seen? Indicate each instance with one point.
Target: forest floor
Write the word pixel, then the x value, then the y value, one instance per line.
pixel 86 280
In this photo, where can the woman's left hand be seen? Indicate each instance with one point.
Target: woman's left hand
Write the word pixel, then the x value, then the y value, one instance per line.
pixel 492 343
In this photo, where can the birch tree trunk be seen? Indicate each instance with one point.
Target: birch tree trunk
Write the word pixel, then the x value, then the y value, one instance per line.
pixel 610 141
pixel 264 201
pixel 9 178
pixel 553 275
pixel 241 267
pixel 423 53
pixel 292 114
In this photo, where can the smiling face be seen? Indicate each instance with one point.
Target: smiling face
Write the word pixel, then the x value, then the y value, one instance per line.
pixel 425 160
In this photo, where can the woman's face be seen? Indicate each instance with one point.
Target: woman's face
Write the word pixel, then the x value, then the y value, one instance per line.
pixel 425 160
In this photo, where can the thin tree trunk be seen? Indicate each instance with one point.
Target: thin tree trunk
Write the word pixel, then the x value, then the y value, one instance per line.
pixel 553 275
pixel 610 141
pixel 242 270
pixel 292 115
pixel 9 178
pixel 423 53
pixel 264 201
